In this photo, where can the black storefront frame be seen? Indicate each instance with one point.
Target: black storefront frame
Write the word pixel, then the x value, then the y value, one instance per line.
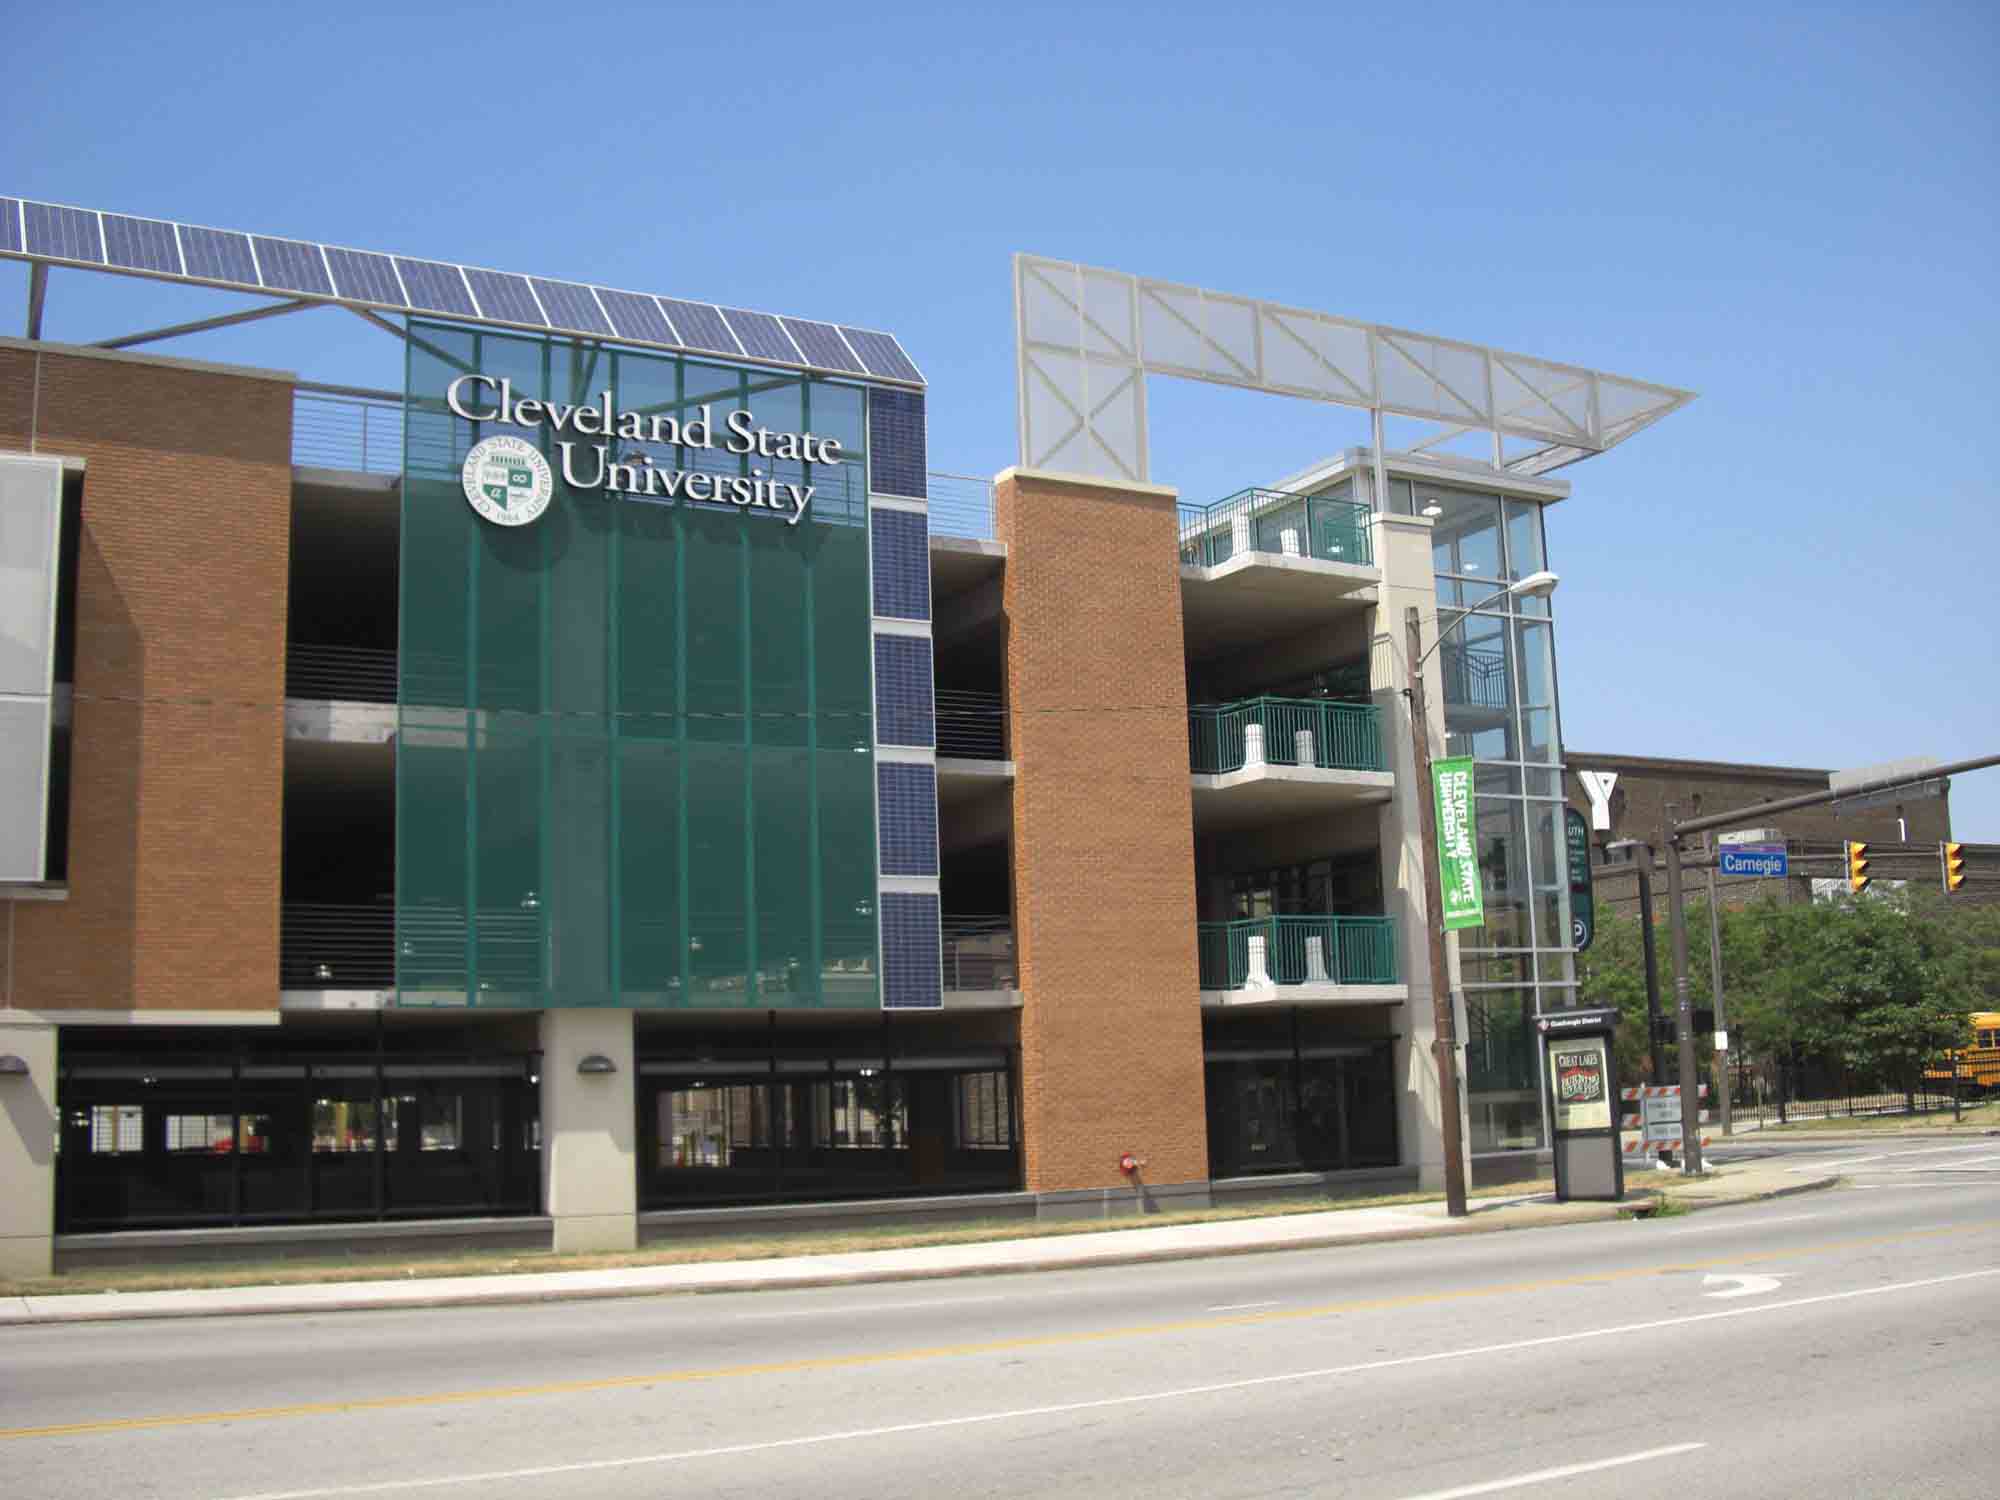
pixel 1296 1054
pixel 244 1084
pixel 786 1073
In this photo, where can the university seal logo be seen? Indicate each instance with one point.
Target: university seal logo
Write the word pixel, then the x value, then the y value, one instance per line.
pixel 507 481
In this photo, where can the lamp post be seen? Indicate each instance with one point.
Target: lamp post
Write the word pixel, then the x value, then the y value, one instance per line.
pixel 1444 1043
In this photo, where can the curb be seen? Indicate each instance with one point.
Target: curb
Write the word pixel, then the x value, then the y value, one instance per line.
pixel 502 1295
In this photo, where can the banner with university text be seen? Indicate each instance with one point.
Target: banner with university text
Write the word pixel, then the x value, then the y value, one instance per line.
pixel 1457 836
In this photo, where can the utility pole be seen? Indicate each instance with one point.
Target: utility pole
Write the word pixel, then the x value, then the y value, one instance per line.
pixel 1444 1044
pixel 1683 1006
pixel 1722 1075
pixel 1641 854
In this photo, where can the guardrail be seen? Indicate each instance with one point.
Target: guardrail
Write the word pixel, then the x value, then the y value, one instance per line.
pixel 1291 732
pixel 1276 521
pixel 1256 952
pixel 971 725
pixel 978 953
pixel 1470 677
pixel 358 674
pixel 961 506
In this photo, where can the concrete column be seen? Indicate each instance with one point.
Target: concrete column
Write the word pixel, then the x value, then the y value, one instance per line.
pixel 1103 843
pixel 28 1150
pixel 590 1169
pixel 1403 552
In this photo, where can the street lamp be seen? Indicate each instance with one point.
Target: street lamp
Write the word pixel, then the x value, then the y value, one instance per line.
pixel 1444 1045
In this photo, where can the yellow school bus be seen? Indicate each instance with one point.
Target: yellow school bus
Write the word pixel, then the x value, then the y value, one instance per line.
pixel 1978 1066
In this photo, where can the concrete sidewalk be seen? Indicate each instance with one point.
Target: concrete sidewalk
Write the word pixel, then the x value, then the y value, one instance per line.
pixel 1355 1226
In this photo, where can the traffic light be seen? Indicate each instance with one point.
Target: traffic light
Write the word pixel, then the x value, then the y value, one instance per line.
pixel 1954 865
pixel 1857 866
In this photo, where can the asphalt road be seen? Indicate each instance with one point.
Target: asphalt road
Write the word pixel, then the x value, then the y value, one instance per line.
pixel 1836 1343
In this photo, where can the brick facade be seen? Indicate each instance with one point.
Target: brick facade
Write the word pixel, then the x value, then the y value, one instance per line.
pixel 178 739
pixel 1111 1048
pixel 1647 784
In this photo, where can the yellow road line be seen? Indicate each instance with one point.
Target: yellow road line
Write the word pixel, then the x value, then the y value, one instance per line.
pixel 953 1351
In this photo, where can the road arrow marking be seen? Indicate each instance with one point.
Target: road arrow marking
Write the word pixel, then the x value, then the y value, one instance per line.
pixel 1739 1286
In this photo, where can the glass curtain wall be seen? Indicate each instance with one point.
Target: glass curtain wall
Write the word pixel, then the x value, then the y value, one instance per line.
pixel 635 750
pixel 1496 675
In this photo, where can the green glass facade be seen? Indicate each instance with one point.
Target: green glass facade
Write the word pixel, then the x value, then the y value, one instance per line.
pixel 635 760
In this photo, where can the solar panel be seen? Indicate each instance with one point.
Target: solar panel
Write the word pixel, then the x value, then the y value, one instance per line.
pixel 291 265
pixel 701 326
pixel 637 317
pixel 822 344
pixel 305 268
pixel 142 244
pixel 364 276
pixel 66 233
pixel 218 255
pixel 435 287
pixel 761 335
pixel 570 306
pixel 882 355
pixel 505 298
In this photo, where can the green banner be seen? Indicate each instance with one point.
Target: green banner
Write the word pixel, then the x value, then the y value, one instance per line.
pixel 1458 862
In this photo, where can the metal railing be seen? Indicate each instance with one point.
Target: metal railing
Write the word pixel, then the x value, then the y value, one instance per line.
pixel 971 725
pixel 1276 521
pixel 1470 677
pixel 961 506
pixel 358 674
pixel 1256 951
pixel 979 953
pixel 352 432
pixel 1293 731
pixel 324 946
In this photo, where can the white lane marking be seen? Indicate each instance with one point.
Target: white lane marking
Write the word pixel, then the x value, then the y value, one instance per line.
pixel 868 1434
pixel 869 1307
pixel 1680 1231
pixel 1542 1476
pixel 1993 1166
pixel 1740 1285
pixel 1243 1306
pixel 1839 1161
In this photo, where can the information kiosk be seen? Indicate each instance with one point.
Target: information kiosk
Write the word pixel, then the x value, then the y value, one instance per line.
pixel 1582 1080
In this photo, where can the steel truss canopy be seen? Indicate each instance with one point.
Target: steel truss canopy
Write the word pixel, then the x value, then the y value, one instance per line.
pixel 1086 338
pixel 307 273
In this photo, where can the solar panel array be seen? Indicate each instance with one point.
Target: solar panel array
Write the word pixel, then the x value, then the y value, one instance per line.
pixel 395 283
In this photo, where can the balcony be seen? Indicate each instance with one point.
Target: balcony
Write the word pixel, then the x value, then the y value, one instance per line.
pixel 1268 563
pixel 978 955
pixel 1278 523
pixel 1268 758
pixel 1285 960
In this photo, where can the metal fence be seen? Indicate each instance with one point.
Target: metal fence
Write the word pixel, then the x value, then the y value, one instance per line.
pixel 326 946
pixel 1297 950
pixel 357 674
pixel 961 506
pixel 347 431
pixel 1276 521
pixel 971 725
pixel 1292 732
pixel 979 953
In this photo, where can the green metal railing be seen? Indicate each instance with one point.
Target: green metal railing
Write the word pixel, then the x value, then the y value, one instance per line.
pixel 1298 950
pixel 1277 521
pixel 1296 732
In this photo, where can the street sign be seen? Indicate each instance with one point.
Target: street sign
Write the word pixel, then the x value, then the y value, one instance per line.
pixel 1751 836
pixel 1753 859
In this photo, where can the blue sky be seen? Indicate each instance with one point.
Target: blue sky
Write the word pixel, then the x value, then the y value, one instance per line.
pixel 1790 210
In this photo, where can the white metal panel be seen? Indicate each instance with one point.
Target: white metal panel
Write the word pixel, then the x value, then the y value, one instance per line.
pixel 1087 337
pixel 30 544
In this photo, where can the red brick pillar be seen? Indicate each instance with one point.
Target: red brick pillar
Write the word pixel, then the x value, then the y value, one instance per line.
pixel 1103 838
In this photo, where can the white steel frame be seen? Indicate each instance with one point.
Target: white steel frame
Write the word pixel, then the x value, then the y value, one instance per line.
pixel 1086 338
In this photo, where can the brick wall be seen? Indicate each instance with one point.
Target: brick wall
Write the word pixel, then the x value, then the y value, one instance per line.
pixel 177 764
pixel 1111 1052
pixel 1646 785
